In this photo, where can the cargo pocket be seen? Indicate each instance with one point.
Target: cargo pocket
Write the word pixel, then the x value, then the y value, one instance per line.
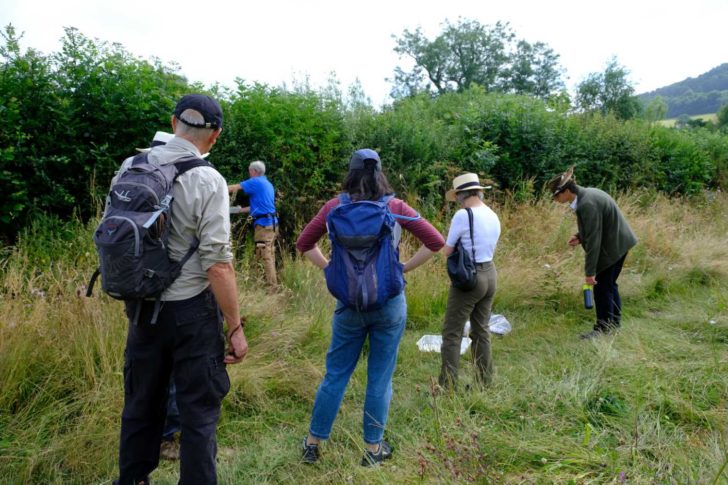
pixel 260 248
pixel 200 312
pixel 219 381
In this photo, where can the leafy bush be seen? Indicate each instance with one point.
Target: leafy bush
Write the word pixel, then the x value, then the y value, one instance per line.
pixel 71 117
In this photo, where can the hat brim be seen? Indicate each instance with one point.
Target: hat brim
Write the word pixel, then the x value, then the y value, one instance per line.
pixel 451 195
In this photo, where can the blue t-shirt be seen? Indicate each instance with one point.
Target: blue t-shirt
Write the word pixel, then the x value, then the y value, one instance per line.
pixel 262 199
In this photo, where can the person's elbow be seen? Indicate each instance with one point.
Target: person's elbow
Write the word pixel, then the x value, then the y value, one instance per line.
pixel 435 244
pixel 447 250
pixel 302 247
pixel 221 270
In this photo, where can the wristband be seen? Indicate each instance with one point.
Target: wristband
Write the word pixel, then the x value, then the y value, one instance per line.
pixel 241 326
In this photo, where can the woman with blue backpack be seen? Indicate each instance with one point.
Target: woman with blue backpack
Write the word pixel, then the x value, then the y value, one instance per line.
pixel 364 274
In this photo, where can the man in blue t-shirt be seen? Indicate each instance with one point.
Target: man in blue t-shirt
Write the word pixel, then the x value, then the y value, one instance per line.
pixel 262 209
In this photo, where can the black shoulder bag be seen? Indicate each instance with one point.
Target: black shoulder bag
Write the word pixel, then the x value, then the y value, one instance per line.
pixel 460 264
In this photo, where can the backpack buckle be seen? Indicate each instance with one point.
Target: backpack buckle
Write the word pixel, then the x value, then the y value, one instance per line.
pixel 149 273
pixel 165 203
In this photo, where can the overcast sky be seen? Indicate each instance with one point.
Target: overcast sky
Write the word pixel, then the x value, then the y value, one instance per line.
pixel 278 41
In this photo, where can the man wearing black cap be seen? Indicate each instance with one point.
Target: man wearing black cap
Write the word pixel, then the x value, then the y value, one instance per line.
pixel 606 237
pixel 187 340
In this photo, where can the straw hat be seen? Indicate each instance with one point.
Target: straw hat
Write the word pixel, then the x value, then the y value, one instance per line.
pixel 466 181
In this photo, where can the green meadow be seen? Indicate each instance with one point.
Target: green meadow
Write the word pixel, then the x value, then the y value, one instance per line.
pixel 647 405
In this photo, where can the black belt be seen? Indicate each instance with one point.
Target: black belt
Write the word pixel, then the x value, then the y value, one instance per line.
pixel 265 216
pixel 484 264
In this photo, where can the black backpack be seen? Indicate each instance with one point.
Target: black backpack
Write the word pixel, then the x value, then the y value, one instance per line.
pixel 460 265
pixel 131 238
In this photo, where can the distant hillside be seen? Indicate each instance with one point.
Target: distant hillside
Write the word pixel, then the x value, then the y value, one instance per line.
pixel 693 96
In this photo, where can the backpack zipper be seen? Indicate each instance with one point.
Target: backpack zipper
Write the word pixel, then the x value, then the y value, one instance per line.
pixel 136 231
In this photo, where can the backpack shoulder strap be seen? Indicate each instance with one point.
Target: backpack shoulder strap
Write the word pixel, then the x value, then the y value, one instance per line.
pixel 344 198
pixel 470 222
pixel 140 158
pixel 189 163
pixel 388 198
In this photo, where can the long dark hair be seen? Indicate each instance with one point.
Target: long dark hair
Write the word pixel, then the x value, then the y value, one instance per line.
pixel 366 183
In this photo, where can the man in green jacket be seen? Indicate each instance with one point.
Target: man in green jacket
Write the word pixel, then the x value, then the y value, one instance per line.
pixel 606 237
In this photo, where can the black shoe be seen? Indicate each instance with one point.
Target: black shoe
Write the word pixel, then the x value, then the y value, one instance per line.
pixel 310 453
pixel 590 335
pixel 374 459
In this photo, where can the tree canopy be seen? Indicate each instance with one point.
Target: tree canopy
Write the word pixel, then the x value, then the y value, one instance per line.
pixel 468 53
pixel 608 92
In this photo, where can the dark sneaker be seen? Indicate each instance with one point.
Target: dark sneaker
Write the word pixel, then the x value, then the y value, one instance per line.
pixel 374 459
pixel 311 453
pixel 596 333
pixel 591 335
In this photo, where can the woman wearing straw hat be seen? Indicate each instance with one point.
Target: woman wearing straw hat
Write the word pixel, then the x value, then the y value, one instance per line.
pixel 474 304
pixel 606 237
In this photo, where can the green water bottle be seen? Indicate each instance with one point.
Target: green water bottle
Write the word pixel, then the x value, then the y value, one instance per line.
pixel 588 291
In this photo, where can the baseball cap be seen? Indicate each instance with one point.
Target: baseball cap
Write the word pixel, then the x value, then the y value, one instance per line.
pixel 360 156
pixel 205 105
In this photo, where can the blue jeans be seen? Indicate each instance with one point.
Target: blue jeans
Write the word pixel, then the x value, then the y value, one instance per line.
pixel 384 327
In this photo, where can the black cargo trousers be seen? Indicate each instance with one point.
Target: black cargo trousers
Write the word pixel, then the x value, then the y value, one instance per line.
pixel 187 342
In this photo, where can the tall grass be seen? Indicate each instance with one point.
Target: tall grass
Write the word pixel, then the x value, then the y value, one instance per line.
pixel 645 406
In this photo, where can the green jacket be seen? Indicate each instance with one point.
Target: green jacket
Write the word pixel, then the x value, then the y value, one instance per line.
pixel 604 233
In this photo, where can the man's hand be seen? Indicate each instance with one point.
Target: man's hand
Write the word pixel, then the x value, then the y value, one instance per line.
pixel 574 241
pixel 590 280
pixel 238 346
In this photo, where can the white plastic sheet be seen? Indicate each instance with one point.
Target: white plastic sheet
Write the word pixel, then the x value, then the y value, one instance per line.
pixel 498 324
pixel 433 343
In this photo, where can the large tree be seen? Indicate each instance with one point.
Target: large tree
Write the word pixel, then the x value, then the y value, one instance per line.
pixel 468 53
pixel 608 92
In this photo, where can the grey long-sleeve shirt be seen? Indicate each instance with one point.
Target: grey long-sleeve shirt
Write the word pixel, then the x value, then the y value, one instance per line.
pixel 201 208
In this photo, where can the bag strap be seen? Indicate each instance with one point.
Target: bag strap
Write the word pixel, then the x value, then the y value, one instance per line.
pixel 193 247
pixel 189 163
pixel 472 240
pixel 344 198
pixel 92 282
pixel 181 166
pixel 141 158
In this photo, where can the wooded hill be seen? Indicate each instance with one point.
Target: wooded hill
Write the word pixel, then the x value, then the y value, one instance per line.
pixel 693 96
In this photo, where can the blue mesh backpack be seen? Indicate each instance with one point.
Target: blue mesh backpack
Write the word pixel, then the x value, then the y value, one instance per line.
pixel 364 271
pixel 131 238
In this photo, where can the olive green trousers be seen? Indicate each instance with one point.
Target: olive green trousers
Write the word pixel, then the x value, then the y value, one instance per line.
pixel 474 305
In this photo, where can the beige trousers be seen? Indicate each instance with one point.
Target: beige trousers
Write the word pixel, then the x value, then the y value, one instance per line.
pixel 265 252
